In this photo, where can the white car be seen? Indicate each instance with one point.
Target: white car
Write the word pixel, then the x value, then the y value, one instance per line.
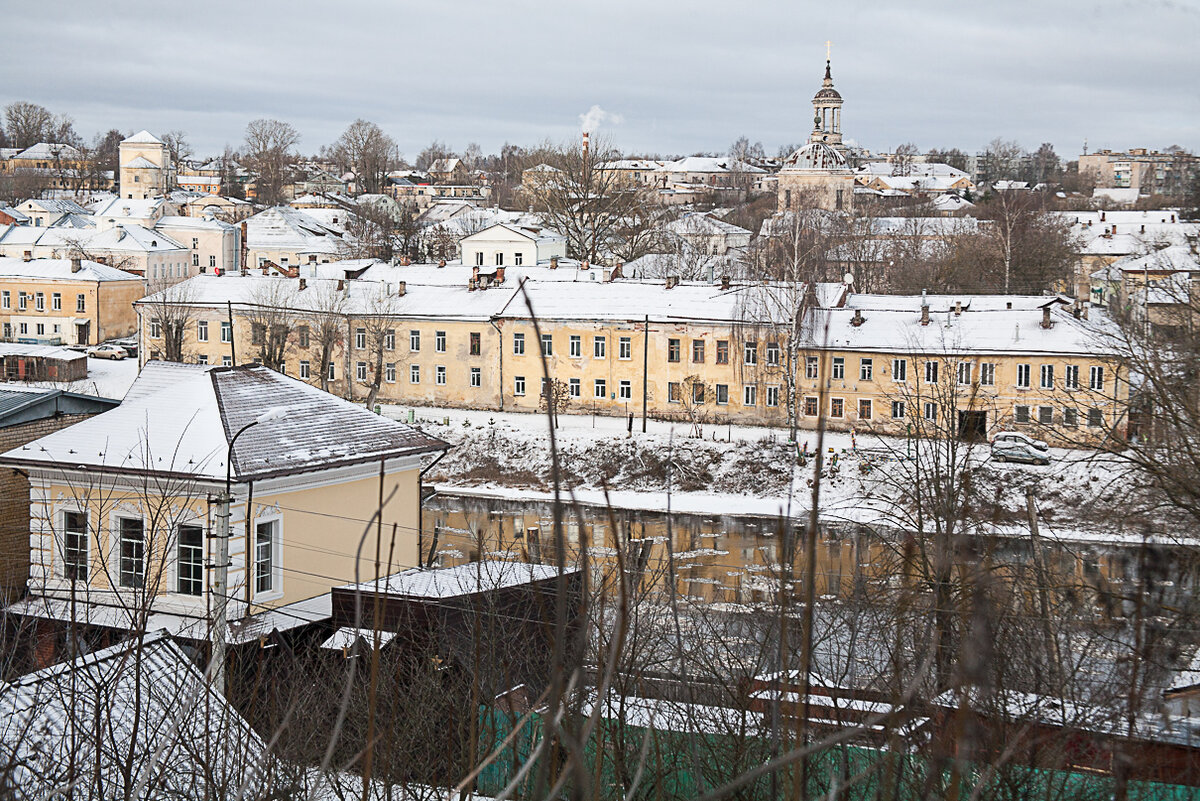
pixel 1016 437
pixel 108 352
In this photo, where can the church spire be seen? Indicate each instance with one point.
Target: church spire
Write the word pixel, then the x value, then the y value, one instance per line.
pixel 827 108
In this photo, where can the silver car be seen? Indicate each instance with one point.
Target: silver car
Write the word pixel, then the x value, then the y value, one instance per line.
pixel 1011 450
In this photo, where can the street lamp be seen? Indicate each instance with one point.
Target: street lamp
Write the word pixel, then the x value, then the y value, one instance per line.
pixel 221 579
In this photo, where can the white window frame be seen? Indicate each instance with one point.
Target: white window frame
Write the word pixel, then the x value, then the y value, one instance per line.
pixel 519 385
pixel 518 344
pixel 1096 378
pixel 87 544
pixel 439 341
pixel 750 394
pixel 866 368
pixel 202 330
pixel 414 341
pixel 476 377
pixel 275 590
pixel 599 347
pixel 838 368
pixel 600 389
pixel 1024 376
pixel 439 375
pixel 625 348
pixel 1046 376
pixel 575 346
pixel 987 374
pixel 305 368
pixel 389 372
pixel 414 374
pixel 900 370
pixel 625 390
pixel 200 558
pixel 574 388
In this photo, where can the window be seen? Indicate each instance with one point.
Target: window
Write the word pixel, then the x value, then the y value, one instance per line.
pixel 212 261
pixel 599 348
pixel 722 351
pixel 1023 376
pixel 750 353
pixel 1071 376
pixel 600 389
pixel 1070 417
pixel 190 563
pixel 414 374
pixel 1095 418
pixel 1046 415
pixel 360 338
pixel 226 332
pixel 476 377
pixel 258 333
pixel 132 552
pixel 476 343
pixel 864 409
pixel 931 411
pixel 360 371
pixel 674 394
pixel 573 388
pixel 773 354
pixel 575 347
pixel 839 367
pixel 195 259
pixel 519 385
pixel 389 372
pixel 931 372
pixel 1047 376
pixel 195 243
pixel 439 374
pixel 518 259
pixel 547 345
pixel 772 396
pixel 865 368
pixel 80 302
pixel 518 344
pixel 389 339
pixel 24 328
pixel 721 394
pixel 750 395
pixel 56 301
pixel 202 358
pixel 202 331
pixel 22 301
pixel 439 341
pixel 155 329
pixel 811 367
pixel 305 368
pixel 75 546
pixel 672 350
pixel 1096 378
pixel 1021 414
pixel 897 410
pixel 6 299
pixel 414 341
pixel 810 406
pixel 264 556
pixel 625 348
pixel 41 329
pixel 227 361
pixel 964 373
pixel 479 259
pixel 332 371
pixel 499 259
pixel 39 301
pixel 899 369
pixel 625 390
pixel 987 374
pixel 837 407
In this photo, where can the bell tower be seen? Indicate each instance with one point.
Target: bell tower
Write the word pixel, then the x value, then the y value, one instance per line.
pixel 827 109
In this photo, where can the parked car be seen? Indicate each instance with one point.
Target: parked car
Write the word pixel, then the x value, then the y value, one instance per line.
pixel 108 352
pixel 1017 436
pixel 1013 450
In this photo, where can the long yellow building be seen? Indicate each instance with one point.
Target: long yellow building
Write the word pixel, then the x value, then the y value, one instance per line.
pixel 759 354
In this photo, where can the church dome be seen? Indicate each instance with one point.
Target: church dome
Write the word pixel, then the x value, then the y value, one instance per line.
pixel 815 156
pixel 828 93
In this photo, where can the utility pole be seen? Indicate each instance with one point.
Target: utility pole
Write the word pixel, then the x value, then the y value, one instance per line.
pixel 220 588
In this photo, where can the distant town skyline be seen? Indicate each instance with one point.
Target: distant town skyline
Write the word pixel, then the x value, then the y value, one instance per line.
pixel 662 78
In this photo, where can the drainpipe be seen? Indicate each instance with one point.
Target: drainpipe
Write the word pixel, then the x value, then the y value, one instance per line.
pixel 500 346
pixel 645 370
pixel 98 339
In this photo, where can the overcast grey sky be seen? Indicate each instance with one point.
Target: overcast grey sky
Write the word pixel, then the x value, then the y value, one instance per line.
pixel 680 77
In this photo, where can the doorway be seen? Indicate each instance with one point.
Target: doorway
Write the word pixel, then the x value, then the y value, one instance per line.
pixel 972 425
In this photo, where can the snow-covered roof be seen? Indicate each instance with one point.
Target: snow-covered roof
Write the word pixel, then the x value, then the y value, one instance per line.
pixel 192 223
pixel 533 234
pixel 623 164
pixel 722 164
pixel 198 180
pixel 1174 258
pixel 44 351
pixel 55 205
pixel 130 208
pixel 60 270
pixel 703 224
pixel 145 138
pixel 466 579
pixel 445 165
pixel 950 203
pixel 75 221
pixel 924 226
pixel 138 704
pixel 131 237
pixel 19 216
pixel 815 157
pixel 49 150
pixel 141 163
pixel 285 228
pixel 182 427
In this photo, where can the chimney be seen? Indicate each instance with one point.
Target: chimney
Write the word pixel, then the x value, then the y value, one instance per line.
pixel 245 250
pixel 585 265
pixel 401 288
pixel 725 282
pixel 1008 305
pixel 1084 308
pixel 1103 218
pixel 499 275
pixel 303 284
pixel 266 270
pixel 471 284
pixel 475 273
pixel 606 276
pixel 405 261
pixel 76 264
pixel 1046 316
pixel 1075 310
pixel 672 281
pixel 924 309
pixel 441 263
pixel 554 262
pixel 618 271
pixel 341 285
pixel 1143 229
pixel 857 319
pixel 958 308
pixel 27 256
pixel 585 147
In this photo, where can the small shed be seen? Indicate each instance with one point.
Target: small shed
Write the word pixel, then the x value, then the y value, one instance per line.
pixel 22 362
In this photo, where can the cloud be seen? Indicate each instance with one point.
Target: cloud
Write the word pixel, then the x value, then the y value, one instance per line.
pixel 595 115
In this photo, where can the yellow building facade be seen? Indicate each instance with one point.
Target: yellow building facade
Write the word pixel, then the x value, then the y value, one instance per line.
pixel 66 301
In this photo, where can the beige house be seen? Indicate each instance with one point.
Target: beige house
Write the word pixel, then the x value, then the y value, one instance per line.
pixel 290 237
pixel 124 506
pixel 213 246
pixel 145 167
pixel 66 301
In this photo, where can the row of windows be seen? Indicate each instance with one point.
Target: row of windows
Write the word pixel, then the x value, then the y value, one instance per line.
pixel 39 301
pixel 23 329
pixel 189 554
pixel 518 259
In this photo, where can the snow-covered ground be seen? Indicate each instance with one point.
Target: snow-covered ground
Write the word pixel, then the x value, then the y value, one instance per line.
pixel 747 470
pixel 106 378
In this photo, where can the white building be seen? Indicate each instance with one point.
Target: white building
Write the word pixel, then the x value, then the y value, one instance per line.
pixel 505 245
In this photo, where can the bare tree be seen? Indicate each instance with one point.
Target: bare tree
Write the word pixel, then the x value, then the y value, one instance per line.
pixel 368 152
pixel 269 151
pixel 178 147
pixel 555 398
pixel 26 124
pixel 170 311
pixel 902 160
pixel 273 314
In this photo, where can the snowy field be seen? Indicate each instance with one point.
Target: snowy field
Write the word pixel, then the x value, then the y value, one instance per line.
pixel 748 470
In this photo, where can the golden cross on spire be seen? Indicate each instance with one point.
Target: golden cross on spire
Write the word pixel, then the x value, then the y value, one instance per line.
pixel 828 44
